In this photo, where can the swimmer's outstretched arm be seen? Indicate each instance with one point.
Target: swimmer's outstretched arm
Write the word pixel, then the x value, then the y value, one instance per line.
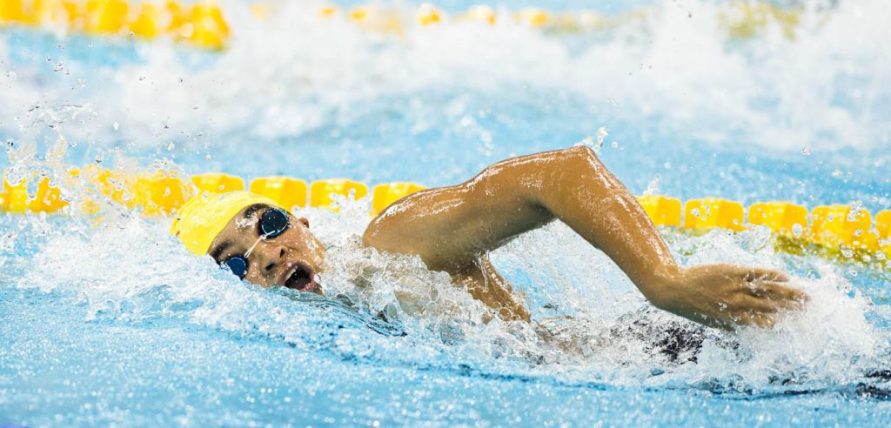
pixel 452 228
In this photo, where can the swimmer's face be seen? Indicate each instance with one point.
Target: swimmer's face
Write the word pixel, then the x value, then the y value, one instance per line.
pixel 291 258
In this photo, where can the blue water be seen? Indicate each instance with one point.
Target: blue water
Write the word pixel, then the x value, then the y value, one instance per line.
pixel 111 322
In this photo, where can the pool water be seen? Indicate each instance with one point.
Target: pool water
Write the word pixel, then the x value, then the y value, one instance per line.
pixel 112 322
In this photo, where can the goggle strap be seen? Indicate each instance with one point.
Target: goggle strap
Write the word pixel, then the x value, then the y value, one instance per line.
pixel 250 250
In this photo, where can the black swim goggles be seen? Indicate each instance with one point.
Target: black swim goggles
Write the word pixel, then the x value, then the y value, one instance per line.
pixel 272 223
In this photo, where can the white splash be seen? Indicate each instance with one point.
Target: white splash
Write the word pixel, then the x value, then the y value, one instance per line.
pixel 590 322
pixel 675 69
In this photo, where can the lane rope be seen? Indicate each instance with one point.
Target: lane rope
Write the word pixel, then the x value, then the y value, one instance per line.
pixel 199 24
pixel 845 231
pixel 202 23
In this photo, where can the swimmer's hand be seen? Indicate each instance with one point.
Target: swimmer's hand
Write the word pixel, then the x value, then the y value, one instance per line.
pixel 726 296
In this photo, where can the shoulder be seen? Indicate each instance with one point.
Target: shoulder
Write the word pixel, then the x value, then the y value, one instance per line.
pixel 428 223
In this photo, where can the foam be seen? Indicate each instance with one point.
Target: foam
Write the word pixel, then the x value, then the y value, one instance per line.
pixel 296 73
pixel 129 270
pixel 675 70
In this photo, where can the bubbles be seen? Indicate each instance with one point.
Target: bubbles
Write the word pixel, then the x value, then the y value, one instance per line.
pixel 854 212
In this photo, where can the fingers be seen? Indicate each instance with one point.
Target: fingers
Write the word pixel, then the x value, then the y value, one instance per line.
pixel 758 274
pixel 776 295
pixel 763 320
pixel 763 310
pixel 783 296
pixel 759 320
pixel 771 284
pixel 748 296
pixel 780 292
pixel 758 304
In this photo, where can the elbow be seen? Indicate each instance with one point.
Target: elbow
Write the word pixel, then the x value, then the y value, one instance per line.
pixel 582 151
pixel 584 155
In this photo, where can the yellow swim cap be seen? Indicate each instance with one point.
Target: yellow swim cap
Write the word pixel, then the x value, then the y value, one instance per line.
pixel 202 218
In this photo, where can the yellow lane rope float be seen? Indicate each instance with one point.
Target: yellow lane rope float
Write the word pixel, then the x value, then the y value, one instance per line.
pixel 742 19
pixel 202 23
pixel 843 231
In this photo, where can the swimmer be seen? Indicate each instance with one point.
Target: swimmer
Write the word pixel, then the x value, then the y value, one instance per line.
pixel 452 229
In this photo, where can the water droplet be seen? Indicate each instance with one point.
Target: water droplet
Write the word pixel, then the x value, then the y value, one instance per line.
pixel 653 186
pixel 856 207
pixel 806 151
pixel 587 141
pixel 170 147
pixel 116 126
pixel 797 230
pixel 602 132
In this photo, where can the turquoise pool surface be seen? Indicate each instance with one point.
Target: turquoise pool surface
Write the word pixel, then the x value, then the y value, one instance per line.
pixel 113 323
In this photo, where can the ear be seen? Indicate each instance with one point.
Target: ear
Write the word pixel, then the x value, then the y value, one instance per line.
pixel 304 221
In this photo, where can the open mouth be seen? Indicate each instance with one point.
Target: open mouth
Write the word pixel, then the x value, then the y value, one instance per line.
pixel 300 278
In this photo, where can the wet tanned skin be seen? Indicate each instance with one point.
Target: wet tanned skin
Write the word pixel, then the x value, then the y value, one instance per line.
pixel 453 228
pixel 270 261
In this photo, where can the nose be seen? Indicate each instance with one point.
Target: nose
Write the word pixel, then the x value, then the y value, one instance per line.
pixel 267 256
